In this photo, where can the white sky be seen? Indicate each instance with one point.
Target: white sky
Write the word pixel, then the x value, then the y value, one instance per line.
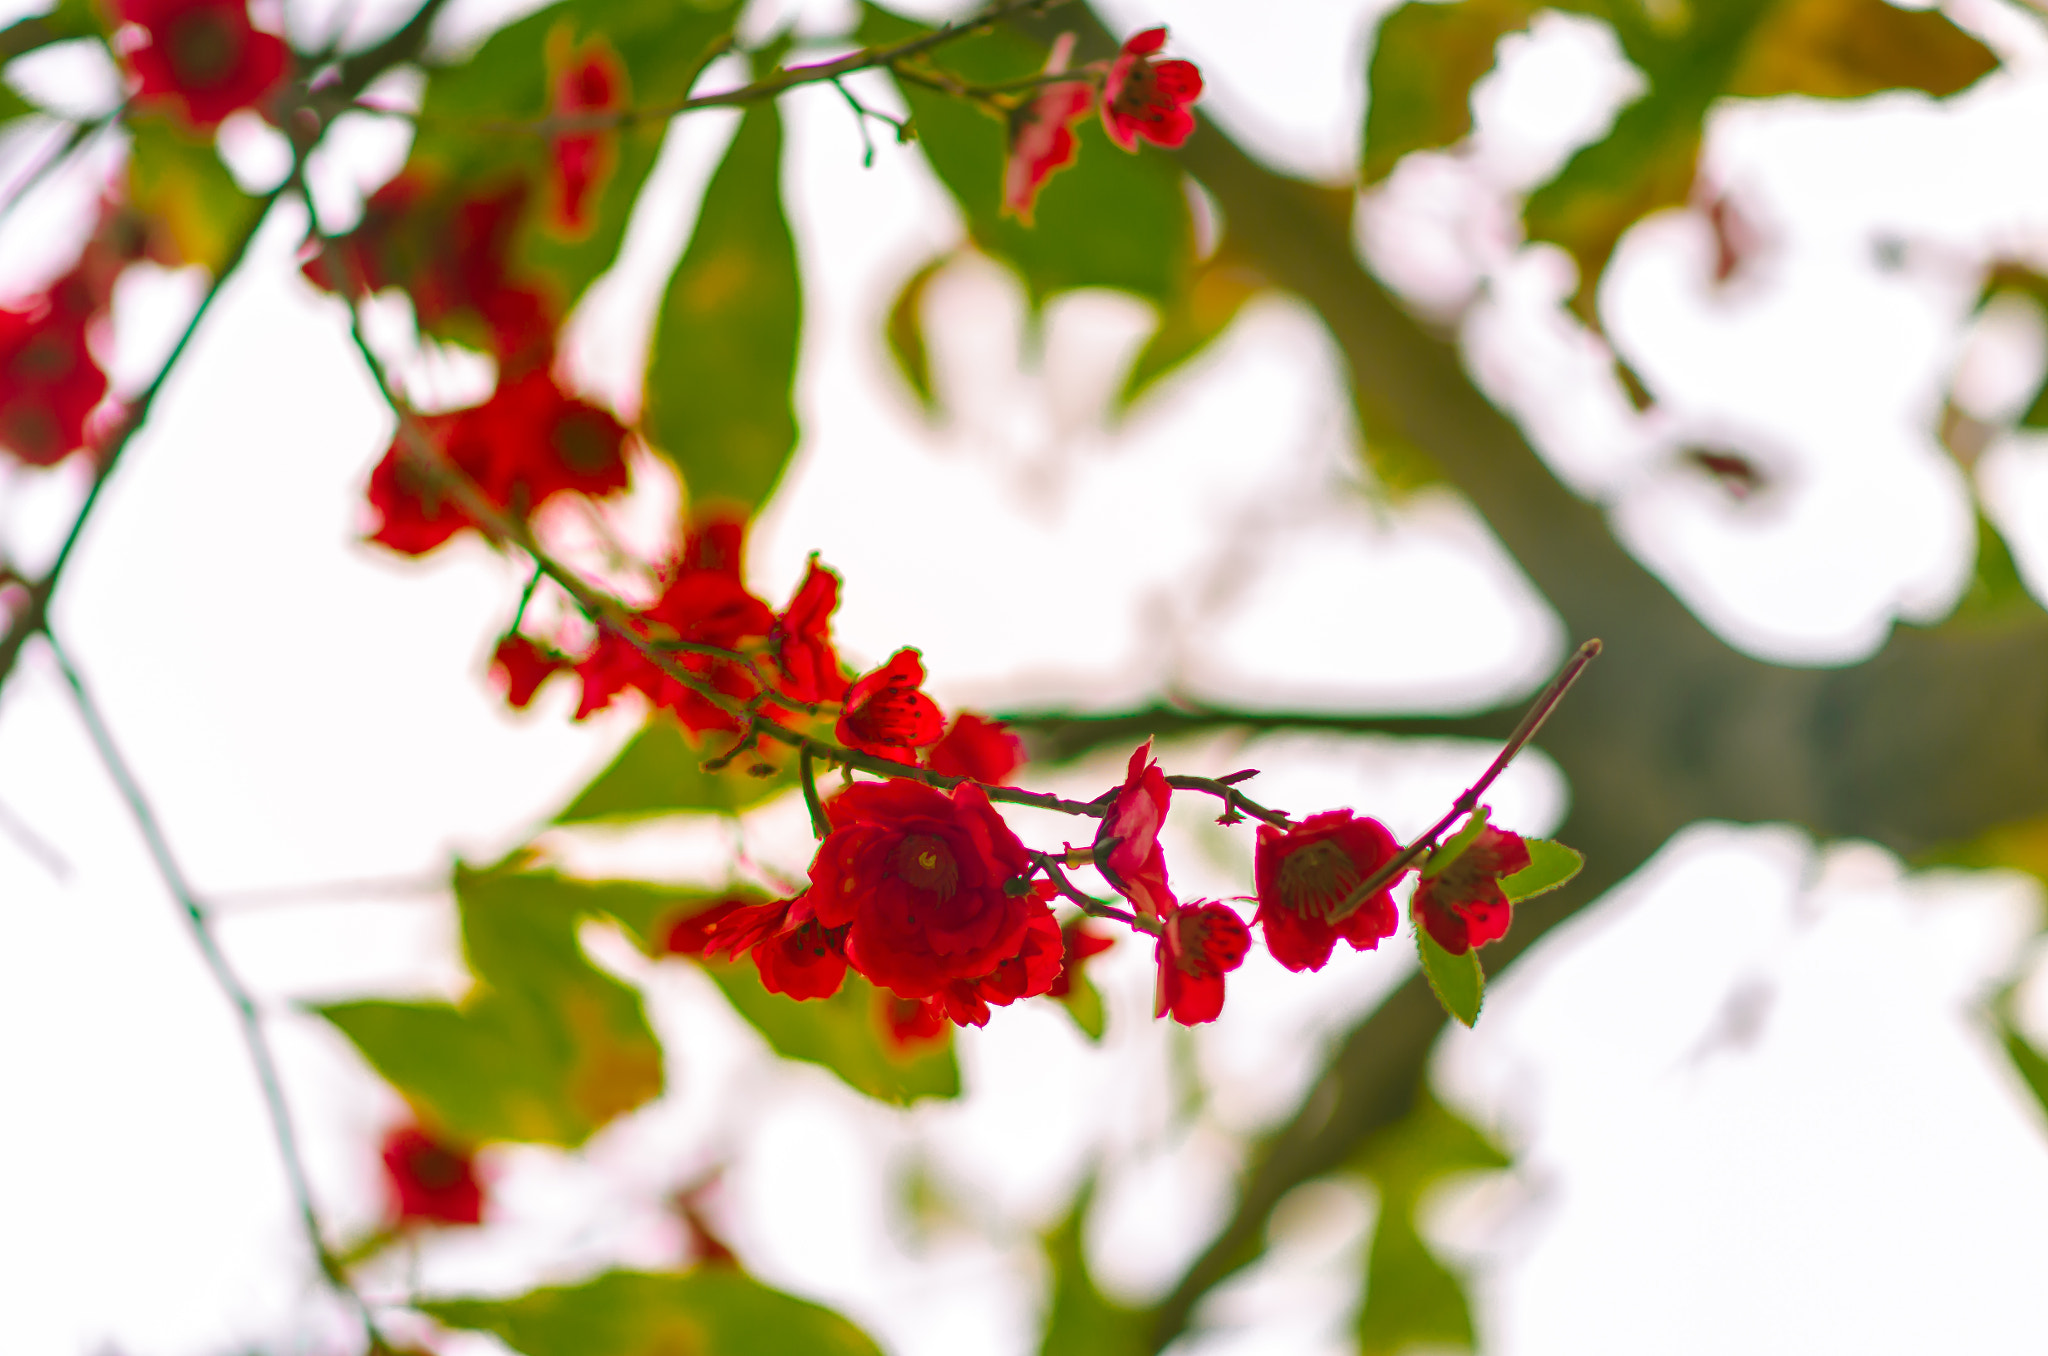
pixel 1753 1104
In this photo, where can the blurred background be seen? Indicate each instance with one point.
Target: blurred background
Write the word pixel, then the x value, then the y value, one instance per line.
pixel 1753 1097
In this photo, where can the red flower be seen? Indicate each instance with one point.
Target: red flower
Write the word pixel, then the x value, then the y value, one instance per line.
pixel 911 1022
pixel 203 56
pixel 529 441
pixel 801 640
pixel 1041 134
pixel 1201 943
pixel 1133 862
pixel 924 882
pixel 977 748
pixel 1079 942
pixel 594 82
pixel 1144 98
pixel 1462 904
pixel 525 666
pixel 1032 971
pixel 431 1182
pixel 453 258
pixel 695 933
pixel 887 715
pixel 1307 876
pixel 49 382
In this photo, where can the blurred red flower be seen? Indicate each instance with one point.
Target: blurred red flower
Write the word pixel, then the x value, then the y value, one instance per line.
pixel 1147 98
pixel 203 56
pixel 430 1180
pixel 1042 135
pixel 594 82
pixel 49 382
pixel 1133 862
pixel 1306 876
pixel 887 715
pixel 1462 904
pixel 911 1023
pixel 525 665
pixel 974 747
pixel 1201 943
pixel 1079 942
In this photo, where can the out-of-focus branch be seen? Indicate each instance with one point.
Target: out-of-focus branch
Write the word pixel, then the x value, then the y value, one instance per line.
pixel 225 978
pixel 1062 736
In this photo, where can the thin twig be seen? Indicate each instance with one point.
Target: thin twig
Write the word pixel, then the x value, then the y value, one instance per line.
pixel 1468 800
pixel 867 58
pixel 1050 864
pixel 1232 798
pixel 224 976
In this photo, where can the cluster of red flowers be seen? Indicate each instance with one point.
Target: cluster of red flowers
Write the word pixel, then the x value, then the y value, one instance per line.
pixel 1140 98
pixel 927 891
pixel 202 59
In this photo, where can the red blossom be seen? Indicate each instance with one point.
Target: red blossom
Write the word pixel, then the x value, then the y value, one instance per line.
pixel 453 257
pixel 49 383
pixel 430 1180
pixel 594 82
pixel 203 56
pixel 1133 862
pixel 525 665
pixel 974 747
pixel 694 933
pixel 1201 943
pixel 1307 876
pixel 911 1023
pixel 924 882
pixel 887 715
pixel 529 441
pixel 1042 135
pixel 795 956
pixel 1032 971
pixel 1147 98
pixel 1079 942
pixel 1462 903
pixel 801 640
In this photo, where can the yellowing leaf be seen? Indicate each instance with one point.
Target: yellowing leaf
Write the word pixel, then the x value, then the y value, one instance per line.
pixel 1424 63
pixel 660 771
pixel 1845 49
pixel 175 178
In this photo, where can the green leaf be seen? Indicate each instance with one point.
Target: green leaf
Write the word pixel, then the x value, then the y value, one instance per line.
pixel 1109 219
pixel 547 1048
pixel 709 1312
pixel 1551 864
pixel 467 143
pixel 1083 1321
pixel 1457 981
pixel 1193 320
pixel 175 178
pixel 1846 49
pixel 660 771
pixel 1453 847
pixel 1996 588
pixel 904 330
pixel 1425 61
pixel 844 1034
pixel 1411 1297
pixel 2027 1062
pixel 1083 1002
pixel 725 344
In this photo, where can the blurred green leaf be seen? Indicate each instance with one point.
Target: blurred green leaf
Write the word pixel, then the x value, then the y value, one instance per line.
pixel 1996 587
pixel 1110 219
pixel 1216 291
pixel 725 343
pixel 1411 1298
pixel 546 1049
pixel 69 19
pixel 1550 865
pixel 660 771
pixel 1457 981
pixel 904 331
pixel 1846 49
pixel 175 177
pixel 1083 1002
pixel 1751 48
pixel 2027 1062
pixel 1425 61
pixel 1083 1321
pixel 12 105
pixel 467 143
pixel 709 1312
pixel 844 1034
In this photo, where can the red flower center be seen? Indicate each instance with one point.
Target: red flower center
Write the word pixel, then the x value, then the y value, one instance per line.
pixel 1140 90
pixel 1318 881
pixel 926 863
pixel 42 359
pixel 434 1168
pixel 203 47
